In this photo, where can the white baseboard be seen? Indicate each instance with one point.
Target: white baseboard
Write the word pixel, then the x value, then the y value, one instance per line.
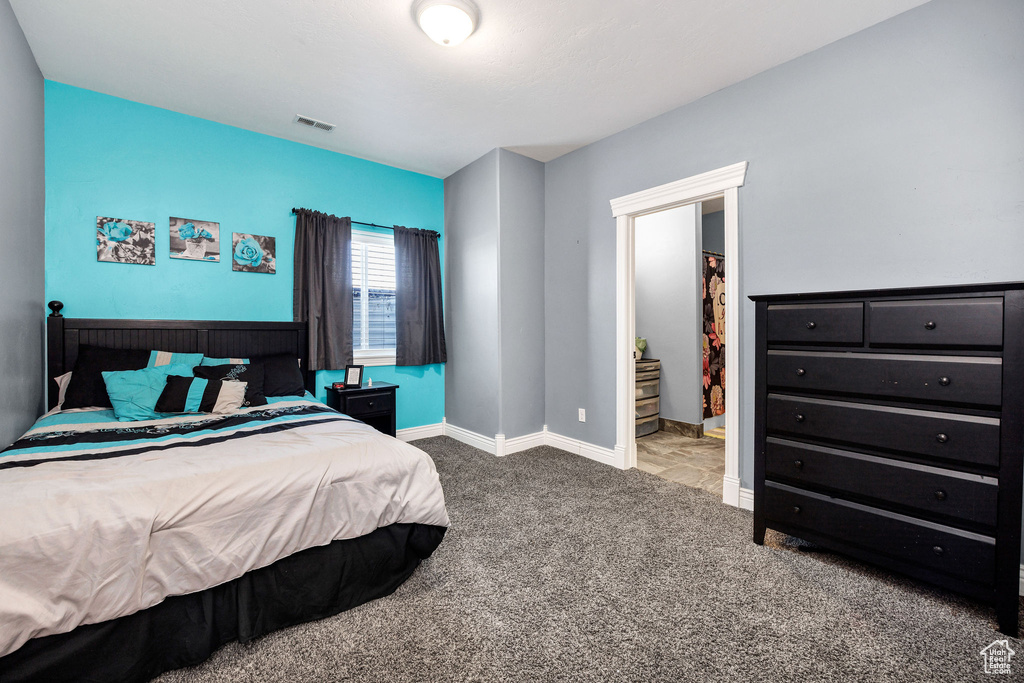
pixel 424 432
pixel 577 447
pixel 747 499
pixel 488 444
pixel 522 443
pixel 499 445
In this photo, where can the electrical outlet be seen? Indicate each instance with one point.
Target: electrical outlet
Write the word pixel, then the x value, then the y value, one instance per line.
pixel 583 415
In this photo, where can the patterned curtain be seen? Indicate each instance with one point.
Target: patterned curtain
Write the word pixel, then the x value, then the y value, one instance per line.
pixel 714 335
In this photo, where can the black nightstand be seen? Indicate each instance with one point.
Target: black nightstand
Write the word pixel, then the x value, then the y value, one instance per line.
pixel 373 405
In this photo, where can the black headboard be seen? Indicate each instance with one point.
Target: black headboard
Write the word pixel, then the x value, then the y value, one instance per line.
pixel 216 338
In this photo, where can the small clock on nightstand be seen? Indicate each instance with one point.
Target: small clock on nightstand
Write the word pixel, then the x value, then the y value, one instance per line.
pixel 373 405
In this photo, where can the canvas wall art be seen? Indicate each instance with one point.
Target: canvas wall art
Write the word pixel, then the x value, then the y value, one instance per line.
pixel 195 240
pixel 253 253
pixel 119 240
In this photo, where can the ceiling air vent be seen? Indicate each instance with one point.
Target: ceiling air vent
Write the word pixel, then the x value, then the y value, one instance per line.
pixel 313 123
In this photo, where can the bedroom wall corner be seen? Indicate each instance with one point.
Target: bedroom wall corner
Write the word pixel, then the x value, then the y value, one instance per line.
pixel 494 214
pixel 107 156
pixel 521 288
pixel 22 202
pixel 471 296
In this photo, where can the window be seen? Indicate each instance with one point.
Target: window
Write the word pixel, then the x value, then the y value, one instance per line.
pixel 373 298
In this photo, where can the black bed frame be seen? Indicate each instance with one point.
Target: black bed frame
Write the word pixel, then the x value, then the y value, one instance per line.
pixel 215 338
pixel 186 629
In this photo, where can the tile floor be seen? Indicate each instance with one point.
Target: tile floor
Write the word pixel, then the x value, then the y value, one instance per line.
pixel 699 463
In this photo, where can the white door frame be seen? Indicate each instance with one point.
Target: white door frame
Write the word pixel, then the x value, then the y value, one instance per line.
pixel 723 182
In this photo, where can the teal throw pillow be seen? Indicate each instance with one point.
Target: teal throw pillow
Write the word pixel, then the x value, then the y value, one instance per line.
pixel 134 393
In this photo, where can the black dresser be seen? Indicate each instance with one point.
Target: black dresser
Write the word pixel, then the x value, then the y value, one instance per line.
pixel 889 426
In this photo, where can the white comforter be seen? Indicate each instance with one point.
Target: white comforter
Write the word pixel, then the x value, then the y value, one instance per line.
pixel 98 530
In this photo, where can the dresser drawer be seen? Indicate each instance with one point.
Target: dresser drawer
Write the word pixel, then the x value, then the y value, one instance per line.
pixel 961 323
pixel 367 404
pixel 948 436
pixel 647 388
pixel 952 379
pixel 816 323
pixel 647 369
pixel 951 551
pixel 646 407
pixel 966 497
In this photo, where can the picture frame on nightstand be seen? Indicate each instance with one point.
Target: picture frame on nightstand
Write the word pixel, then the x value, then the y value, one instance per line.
pixel 353 376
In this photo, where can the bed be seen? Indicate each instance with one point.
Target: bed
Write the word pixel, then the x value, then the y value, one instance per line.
pixel 132 548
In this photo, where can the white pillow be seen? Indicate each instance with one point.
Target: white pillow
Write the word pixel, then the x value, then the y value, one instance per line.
pixel 62 388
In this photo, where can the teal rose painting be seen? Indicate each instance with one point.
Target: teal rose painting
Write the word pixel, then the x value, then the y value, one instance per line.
pixel 253 253
pixel 119 240
pixel 195 240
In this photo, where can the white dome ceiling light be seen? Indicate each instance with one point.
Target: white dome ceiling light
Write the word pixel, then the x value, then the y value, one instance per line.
pixel 446 22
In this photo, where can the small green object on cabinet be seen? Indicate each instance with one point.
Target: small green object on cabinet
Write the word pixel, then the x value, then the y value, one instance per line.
pixel 641 346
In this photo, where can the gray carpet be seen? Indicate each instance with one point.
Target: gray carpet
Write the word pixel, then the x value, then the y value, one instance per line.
pixel 557 568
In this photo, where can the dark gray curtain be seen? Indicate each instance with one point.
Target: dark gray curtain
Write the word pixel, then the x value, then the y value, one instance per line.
pixel 323 286
pixel 419 319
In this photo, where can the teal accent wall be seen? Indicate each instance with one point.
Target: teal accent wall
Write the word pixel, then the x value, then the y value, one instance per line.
pixel 107 156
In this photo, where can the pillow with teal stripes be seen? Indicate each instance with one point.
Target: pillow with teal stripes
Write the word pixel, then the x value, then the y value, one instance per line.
pixel 159 359
pixel 225 361
pixel 134 393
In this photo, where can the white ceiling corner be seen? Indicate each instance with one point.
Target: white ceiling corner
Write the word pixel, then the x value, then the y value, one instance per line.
pixel 541 78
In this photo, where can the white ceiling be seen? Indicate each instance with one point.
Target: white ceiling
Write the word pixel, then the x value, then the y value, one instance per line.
pixel 541 77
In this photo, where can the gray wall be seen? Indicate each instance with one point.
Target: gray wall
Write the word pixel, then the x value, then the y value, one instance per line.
pixel 521 293
pixel 668 310
pixel 22 206
pixel 494 233
pixel 713 232
pixel 890 158
pixel 471 296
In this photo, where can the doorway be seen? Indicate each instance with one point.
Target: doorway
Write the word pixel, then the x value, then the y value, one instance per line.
pixel 680 326
pixel 722 183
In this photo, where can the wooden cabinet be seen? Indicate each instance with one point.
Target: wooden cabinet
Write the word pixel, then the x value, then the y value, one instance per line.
pixel 373 405
pixel 889 426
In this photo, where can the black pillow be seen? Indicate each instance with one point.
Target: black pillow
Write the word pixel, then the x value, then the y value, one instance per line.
pixel 86 387
pixel 251 374
pixel 281 375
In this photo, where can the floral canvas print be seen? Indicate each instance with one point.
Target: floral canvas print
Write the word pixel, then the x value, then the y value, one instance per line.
pixel 253 253
pixel 119 240
pixel 195 240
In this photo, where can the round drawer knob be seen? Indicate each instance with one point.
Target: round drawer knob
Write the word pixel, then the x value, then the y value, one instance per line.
pixel 369 404
pixel 941 438
pixel 929 325
pixel 940 495
pixel 939 550
pixel 800 372
pixel 796 509
pixel 944 381
pixel 799 417
pixel 799 464
pixel 811 324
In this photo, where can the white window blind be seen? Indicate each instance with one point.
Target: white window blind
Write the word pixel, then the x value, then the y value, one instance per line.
pixel 373 297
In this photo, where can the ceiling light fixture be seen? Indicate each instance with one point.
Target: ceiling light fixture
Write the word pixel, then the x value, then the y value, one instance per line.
pixel 447 22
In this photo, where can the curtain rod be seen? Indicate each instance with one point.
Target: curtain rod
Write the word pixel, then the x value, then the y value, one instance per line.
pixel 713 253
pixel 371 225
